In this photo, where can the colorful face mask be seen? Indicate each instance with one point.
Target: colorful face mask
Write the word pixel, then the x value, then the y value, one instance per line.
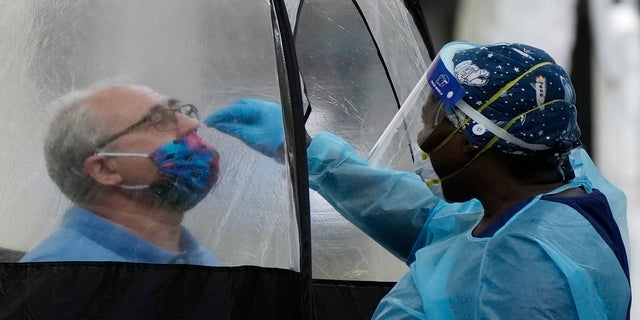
pixel 189 168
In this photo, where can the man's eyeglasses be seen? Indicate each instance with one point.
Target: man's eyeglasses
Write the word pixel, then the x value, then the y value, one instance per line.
pixel 161 118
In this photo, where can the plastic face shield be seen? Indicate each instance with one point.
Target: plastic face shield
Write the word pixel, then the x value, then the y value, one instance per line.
pixel 443 83
pixel 443 91
pixel 423 109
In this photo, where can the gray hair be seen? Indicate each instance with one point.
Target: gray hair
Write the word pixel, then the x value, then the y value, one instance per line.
pixel 73 135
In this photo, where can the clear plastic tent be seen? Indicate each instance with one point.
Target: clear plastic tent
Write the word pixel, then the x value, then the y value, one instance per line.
pixel 359 62
pixel 193 51
pixel 352 96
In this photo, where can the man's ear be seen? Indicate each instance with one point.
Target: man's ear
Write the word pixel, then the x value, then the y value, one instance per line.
pixel 102 170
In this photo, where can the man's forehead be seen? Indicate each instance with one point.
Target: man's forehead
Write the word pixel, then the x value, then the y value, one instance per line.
pixel 147 91
pixel 118 98
pixel 123 105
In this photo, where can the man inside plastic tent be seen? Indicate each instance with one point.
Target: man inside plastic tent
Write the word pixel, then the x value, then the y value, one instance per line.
pixel 529 228
pixel 131 161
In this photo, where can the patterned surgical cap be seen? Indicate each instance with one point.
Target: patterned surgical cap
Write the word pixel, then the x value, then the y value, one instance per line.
pixel 538 105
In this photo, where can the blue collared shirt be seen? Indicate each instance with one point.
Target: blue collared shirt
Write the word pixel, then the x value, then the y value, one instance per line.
pixel 84 236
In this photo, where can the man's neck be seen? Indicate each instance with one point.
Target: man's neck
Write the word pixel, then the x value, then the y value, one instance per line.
pixel 151 223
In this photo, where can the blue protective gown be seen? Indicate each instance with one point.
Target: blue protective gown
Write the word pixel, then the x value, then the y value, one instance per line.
pixel 548 259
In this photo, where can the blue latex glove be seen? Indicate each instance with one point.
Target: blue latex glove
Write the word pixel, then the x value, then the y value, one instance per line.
pixel 257 123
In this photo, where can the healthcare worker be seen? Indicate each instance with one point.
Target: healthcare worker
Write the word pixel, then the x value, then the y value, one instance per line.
pixel 514 221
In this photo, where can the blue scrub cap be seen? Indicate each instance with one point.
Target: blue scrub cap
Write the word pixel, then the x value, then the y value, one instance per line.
pixel 511 95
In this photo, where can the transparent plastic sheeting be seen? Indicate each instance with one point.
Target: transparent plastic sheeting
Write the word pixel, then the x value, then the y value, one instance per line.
pixel 401 134
pixel 210 53
pixel 352 97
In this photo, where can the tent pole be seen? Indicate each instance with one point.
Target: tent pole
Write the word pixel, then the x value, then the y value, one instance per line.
pixel 296 146
pixel 415 9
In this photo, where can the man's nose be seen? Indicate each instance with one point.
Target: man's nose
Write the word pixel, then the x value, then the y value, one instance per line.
pixel 186 124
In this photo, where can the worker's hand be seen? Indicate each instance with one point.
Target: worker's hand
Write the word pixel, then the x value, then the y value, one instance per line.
pixel 257 123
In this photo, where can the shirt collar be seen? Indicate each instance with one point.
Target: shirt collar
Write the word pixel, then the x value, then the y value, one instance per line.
pixel 126 244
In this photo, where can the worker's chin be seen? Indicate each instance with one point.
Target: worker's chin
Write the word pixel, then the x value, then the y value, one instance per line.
pixel 452 196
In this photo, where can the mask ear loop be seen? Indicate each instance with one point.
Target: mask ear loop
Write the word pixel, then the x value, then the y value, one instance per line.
pixel 425 155
pixel 444 141
pixel 439 181
pixel 122 154
pixel 136 187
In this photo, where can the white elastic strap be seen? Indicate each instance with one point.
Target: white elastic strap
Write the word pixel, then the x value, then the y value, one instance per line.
pixel 127 154
pixel 122 154
pixel 495 129
pixel 134 187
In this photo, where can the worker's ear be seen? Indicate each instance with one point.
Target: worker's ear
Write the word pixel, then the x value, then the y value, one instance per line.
pixel 102 170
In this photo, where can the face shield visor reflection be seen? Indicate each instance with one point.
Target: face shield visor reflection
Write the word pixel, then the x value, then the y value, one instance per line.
pixel 432 114
pixel 443 92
